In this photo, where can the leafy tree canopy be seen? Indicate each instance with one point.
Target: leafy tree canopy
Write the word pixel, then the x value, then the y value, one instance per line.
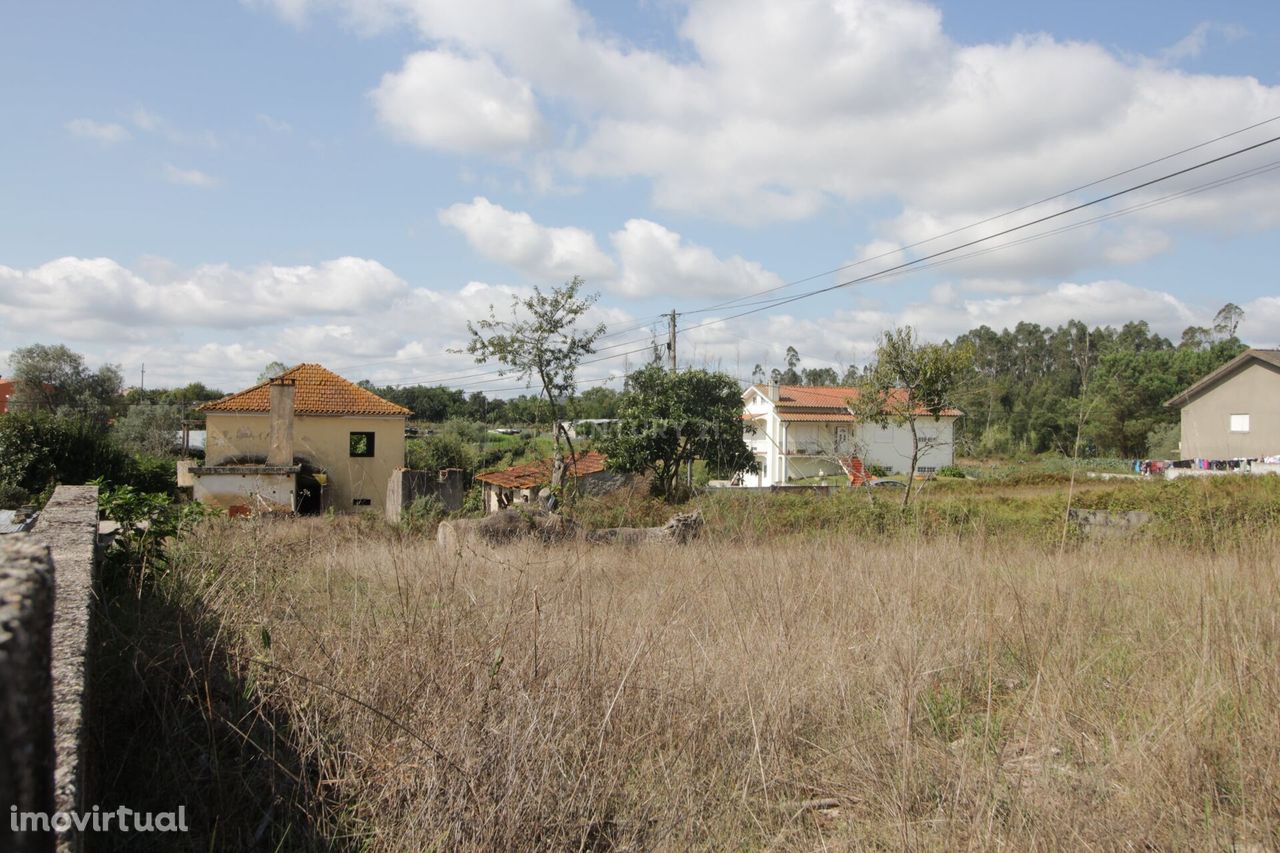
pixel 55 379
pixel 543 343
pixel 667 420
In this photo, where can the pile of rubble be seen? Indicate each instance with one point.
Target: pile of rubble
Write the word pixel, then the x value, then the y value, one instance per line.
pixel 512 524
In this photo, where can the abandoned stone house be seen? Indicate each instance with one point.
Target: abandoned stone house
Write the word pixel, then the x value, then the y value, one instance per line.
pixel 520 484
pixel 305 441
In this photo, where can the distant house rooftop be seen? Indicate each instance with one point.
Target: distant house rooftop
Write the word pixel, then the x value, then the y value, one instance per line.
pixel 532 474
pixel 825 403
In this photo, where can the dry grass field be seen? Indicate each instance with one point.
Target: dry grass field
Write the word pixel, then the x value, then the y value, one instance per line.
pixel 773 692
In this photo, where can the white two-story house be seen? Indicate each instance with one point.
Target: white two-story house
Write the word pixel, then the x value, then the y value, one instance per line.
pixel 799 432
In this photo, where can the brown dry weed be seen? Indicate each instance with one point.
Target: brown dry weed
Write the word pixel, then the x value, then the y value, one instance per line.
pixel 800 693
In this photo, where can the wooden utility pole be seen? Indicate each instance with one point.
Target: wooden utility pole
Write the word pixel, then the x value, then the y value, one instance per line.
pixel 671 342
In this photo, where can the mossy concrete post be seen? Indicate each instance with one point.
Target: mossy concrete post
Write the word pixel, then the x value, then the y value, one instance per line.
pixel 27 758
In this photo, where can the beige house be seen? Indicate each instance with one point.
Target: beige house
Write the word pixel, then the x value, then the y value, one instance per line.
pixel 306 441
pixel 801 432
pixel 1234 412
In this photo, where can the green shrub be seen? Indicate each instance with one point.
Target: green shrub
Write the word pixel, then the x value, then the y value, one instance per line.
pixel 422 514
pixel 473 501
pixel 436 452
pixel 950 471
pixel 152 474
pixel 39 451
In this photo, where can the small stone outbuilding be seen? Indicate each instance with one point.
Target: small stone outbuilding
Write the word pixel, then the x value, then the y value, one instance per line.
pixel 520 484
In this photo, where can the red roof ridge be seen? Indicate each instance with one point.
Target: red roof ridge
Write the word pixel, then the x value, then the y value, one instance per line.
pixel 814 399
pixel 320 391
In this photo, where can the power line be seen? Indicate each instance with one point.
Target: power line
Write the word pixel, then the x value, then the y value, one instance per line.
pixel 918 263
pixel 774 303
pixel 1199 188
pixel 971 225
pixel 648 323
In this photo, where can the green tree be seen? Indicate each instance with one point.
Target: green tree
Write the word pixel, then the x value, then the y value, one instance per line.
pixel 542 342
pixel 667 420
pixel 595 403
pixel 909 381
pixel 55 379
pixel 1227 320
pixel 150 428
pixel 272 370
pixel 817 376
pixel 1196 338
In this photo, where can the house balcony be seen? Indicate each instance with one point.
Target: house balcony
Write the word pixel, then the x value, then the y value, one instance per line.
pixel 815 449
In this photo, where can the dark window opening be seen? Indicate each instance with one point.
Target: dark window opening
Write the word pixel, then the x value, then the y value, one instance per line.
pixel 361 444
pixel 362 502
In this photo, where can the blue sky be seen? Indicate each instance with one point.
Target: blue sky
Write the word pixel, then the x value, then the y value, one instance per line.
pixel 209 187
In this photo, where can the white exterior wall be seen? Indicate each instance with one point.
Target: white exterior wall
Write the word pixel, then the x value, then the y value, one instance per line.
pixel 765 442
pixel 891 446
pixel 776 444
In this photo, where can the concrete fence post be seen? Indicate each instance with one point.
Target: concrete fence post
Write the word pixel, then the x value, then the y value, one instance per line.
pixel 26 689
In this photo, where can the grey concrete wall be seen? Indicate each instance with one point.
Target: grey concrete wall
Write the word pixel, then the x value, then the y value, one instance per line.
pixel 405 485
pixel 69 526
pixel 1206 421
pixel 26 688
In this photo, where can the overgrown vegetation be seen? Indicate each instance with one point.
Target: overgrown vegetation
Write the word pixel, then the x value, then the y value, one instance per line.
pixel 175 717
pixel 39 450
pixel 920 684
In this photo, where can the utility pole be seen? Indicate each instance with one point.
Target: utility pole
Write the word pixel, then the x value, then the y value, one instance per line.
pixel 142 380
pixel 671 342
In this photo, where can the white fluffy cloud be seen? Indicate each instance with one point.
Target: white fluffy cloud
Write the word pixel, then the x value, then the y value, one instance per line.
pixel 221 324
pixel 443 100
pixel 100 131
pixel 773 112
pixel 189 177
pixel 652 260
pixel 1097 303
pixel 513 238
pixel 1261 325
pixel 656 260
pixel 92 298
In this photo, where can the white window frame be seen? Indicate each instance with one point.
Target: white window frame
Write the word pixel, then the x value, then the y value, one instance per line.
pixel 1239 423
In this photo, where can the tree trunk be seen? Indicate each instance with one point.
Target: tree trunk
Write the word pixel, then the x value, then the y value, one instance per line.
pixel 915 455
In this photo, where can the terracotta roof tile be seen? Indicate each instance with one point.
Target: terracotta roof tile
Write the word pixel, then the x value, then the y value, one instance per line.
pixel 826 396
pixel 820 402
pixel 319 392
pixel 538 473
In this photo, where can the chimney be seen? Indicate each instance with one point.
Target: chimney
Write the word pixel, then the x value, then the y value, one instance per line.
pixel 281 450
pixel 771 391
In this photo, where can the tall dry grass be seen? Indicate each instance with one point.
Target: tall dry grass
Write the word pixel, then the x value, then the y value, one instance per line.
pixel 790 694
